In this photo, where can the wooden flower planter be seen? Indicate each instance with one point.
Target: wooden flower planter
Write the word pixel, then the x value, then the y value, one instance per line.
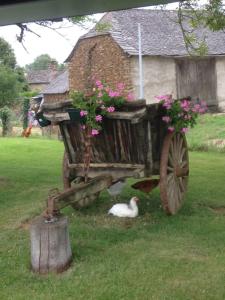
pixel 134 142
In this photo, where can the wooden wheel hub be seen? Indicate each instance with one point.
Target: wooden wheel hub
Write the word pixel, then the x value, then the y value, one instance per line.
pixel 181 172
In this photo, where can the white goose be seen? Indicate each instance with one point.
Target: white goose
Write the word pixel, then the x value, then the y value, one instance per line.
pixel 124 210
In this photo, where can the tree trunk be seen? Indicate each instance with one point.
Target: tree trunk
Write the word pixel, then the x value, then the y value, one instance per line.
pixel 50 245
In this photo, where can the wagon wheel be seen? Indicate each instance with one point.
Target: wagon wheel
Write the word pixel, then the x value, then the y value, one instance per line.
pixel 68 177
pixel 174 172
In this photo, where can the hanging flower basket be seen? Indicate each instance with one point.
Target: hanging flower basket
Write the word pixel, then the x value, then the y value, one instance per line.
pixel 74 114
pixel 42 121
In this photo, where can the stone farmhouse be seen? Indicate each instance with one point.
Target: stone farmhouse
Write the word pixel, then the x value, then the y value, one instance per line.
pixel 112 55
pixel 58 89
pixel 39 79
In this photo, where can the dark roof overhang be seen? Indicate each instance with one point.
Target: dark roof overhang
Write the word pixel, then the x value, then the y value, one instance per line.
pixel 18 11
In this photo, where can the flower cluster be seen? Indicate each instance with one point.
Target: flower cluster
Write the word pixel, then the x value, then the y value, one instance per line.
pixel 180 114
pixel 94 106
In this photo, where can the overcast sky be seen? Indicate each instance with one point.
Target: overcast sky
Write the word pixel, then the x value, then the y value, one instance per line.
pixel 49 42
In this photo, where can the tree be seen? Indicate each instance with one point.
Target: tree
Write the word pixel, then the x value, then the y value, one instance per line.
pixel 192 14
pixel 9 88
pixel 12 78
pixel 42 62
pixel 7 56
pixel 22 81
pixel 5 116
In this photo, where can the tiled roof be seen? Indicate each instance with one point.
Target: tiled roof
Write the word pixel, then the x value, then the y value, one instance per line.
pixel 59 85
pixel 161 34
pixel 41 76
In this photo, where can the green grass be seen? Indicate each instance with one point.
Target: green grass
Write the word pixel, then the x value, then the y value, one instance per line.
pixel 151 257
pixel 209 127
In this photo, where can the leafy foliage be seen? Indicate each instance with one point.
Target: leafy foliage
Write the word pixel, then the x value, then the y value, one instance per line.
pixel 192 14
pixel 26 106
pixel 7 56
pixel 42 62
pixel 5 116
pixel 12 78
pixel 180 114
pixel 9 88
pixel 100 102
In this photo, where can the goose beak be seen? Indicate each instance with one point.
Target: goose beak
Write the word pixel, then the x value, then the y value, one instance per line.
pixel 136 199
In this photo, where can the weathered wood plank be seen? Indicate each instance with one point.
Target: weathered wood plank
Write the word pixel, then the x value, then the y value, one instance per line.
pixel 116 174
pixel 131 115
pixel 149 162
pixel 57 105
pixel 109 165
pixel 57 117
pixel 82 190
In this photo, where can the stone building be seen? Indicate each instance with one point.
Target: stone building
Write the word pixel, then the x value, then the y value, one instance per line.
pixel 112 55
pixel 39 79
pixel 58 89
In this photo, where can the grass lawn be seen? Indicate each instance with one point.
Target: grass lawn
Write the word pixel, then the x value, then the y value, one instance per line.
pixel 151 257
pixel 210 129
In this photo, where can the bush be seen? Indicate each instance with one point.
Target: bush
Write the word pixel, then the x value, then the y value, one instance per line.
pixel 5 115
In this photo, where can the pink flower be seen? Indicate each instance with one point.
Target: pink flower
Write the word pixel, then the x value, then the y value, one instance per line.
pixel 111 109
pixel 171 128
pixel 113 94
pixel 130 96
pixel 83 127
pixel 98 118
pixel 121 86
pixel 167 105
pixel 94 132
pixel 99 95
pixel 184 130
pixel 98 83
pixel 83 113
pixel 164 97
pixel 100 87
pixel 202 110
pixel 166 119
pixel 187 117
pixel 185 105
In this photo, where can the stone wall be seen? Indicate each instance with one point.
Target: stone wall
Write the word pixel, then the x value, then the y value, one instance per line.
pixel 159 77
pixel 101 58
pixel 220 76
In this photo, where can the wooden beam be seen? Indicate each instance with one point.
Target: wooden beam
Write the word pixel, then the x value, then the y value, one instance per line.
pixel 134 116
pixel 56 105
pixel 57 117
pixel 108 165
pixel 76 193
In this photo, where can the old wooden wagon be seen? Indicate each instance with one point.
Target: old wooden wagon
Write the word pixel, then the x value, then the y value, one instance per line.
pixel 134 143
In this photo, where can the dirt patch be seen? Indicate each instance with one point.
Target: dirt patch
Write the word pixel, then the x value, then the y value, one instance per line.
pixel 218 210
pixel 25 225
pixel 4 182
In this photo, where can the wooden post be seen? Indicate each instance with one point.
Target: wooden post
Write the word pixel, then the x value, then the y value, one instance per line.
pixel 50 245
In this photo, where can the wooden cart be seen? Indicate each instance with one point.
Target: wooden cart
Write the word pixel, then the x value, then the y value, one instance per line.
pixel 134 142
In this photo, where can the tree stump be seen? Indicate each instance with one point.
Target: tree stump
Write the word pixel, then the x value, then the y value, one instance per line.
pixel 50 245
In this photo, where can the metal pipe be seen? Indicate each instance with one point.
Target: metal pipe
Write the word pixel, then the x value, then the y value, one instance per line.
pixel 141 89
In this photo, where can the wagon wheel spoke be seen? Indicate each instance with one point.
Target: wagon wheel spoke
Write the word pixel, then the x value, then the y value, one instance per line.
pixel 174 171
pixel 170 169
